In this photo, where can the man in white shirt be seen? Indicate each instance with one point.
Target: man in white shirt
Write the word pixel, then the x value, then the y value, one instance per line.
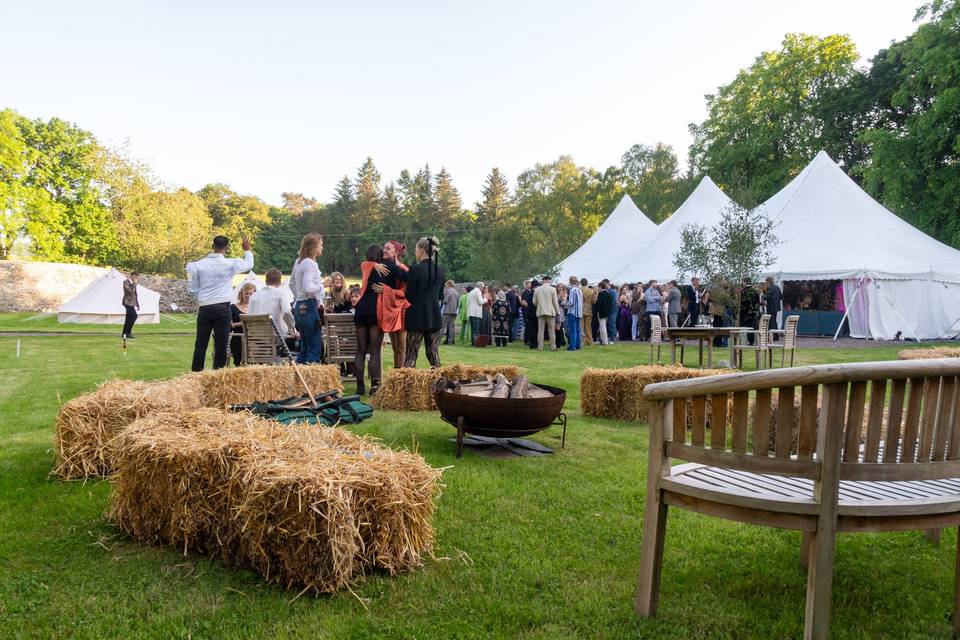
pixel 211 280
pixel 475 310
pixel 274 302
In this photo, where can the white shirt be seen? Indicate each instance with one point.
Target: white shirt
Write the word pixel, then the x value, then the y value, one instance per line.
pixel 475 303
pixel 273 301
pixel 211 278
pixel 306 280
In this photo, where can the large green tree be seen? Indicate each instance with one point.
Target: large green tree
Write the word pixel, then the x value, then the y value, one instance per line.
pixel 914 165
pixel 234 215
pixel 652 176
pixel 765 126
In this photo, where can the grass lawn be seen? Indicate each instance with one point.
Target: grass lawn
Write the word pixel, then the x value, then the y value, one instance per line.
pixel 526 548
pixel 30 322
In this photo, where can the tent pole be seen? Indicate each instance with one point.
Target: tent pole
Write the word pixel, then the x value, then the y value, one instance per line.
pixel 846 311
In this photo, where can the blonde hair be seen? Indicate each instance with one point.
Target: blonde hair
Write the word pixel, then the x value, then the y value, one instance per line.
pixel 245 287
pixel 337 296
pixel 309 244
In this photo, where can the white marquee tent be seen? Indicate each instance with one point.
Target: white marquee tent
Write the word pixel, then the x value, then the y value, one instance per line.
pixel 655 260
pixel 895 277
pixel 101 302
pixel 625 231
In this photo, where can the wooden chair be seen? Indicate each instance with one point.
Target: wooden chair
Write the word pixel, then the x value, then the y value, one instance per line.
pixel 341 336
pixel 789 343
pixel 260 340
pixel 759 346
pixel 656 336
pixel 876 447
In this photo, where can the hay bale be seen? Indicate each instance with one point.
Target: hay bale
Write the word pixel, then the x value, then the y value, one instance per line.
pixel 929 353
pixel 618 393
pixel 306 506
pixel 412 389
pixel 259 383
pixel 86 423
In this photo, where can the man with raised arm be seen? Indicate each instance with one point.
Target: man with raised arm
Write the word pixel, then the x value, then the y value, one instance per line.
pixel 211 281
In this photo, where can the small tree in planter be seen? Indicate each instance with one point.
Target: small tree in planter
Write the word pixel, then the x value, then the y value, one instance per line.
pixel 735 250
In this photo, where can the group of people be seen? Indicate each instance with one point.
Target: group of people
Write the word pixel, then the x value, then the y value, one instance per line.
pixel 577 313
pixel 393 299
pixel 414 305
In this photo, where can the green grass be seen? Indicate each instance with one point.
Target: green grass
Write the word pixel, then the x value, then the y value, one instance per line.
pixel 29 322
pixel 526 547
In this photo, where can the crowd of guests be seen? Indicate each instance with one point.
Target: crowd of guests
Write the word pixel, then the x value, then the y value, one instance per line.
pixel 414 304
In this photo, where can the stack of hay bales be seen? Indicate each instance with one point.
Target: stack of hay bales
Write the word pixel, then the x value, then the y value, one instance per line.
pixel 306 506
pixel 412 389
pixel 87 423
pixel 929 353
pixel 618 393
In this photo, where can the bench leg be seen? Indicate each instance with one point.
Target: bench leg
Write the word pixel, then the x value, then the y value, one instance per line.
pixel 651 556
pixel 932 536
pixel 955 618
pixel 819 585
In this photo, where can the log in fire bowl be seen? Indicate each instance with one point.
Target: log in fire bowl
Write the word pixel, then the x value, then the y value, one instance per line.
pixel 502 417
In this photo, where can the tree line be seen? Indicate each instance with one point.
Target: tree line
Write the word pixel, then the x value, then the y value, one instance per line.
pixel 894 125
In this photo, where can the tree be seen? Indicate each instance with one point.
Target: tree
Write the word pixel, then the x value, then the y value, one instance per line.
pixel 652 176
pixel 915 144
pixel 366 189
pixel 279 242
pixel 448 203
pixel 297 203
pixel 234 215
pixel 496 199
pixel 733 252
pixel 765 126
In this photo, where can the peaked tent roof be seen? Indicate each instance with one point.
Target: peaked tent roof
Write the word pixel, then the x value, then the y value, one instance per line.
pixel 617 240
pixel 703 207
pixel 101 302
pixel 830 228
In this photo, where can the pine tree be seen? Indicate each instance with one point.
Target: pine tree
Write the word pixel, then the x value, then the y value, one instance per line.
pixel 447 200
pixel 339 253
pixel 367 189
pixel 496 198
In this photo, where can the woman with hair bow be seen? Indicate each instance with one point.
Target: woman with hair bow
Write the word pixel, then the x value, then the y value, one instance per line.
pixel 424 292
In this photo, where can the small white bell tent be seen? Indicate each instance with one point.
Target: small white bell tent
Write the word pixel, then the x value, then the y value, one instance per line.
pixel 101 302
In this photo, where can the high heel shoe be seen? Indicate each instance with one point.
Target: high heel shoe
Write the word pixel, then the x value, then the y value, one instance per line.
pixel 374 387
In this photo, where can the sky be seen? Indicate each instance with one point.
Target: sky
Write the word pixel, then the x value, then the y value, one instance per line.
pixel 269 97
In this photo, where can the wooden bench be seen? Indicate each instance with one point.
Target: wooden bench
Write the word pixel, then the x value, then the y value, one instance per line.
pixel 341 336
pixel 876 447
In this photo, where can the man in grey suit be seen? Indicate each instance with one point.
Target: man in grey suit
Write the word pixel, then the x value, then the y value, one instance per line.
pixel 673 304
pixel 451 306
pixel 548 306
pixel 131 303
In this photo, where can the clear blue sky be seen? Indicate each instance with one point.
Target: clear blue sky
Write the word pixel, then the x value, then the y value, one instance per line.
pixel 289 96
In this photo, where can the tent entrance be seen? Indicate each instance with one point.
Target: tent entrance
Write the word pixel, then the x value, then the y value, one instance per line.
pixel 819 303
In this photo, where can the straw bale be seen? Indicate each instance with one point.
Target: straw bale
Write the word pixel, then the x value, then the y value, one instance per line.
pixel 86 423
pixel 259 383
pixel 929 353
pixel 412 389
pixel 618 393
pixel 307 506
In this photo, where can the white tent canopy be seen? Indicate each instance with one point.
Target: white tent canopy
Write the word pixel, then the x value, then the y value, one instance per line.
pixel 625 231
pixel 101 302
pixel 655 260
pixel 895 277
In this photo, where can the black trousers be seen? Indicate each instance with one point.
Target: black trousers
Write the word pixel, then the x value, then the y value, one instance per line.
pixel 130 319
pixel 694 311
pixel 215 318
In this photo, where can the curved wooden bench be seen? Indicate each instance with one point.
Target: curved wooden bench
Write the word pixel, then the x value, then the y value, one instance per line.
pixel 875 447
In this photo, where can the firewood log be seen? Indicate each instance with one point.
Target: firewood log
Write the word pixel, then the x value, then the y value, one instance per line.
pixel 521 387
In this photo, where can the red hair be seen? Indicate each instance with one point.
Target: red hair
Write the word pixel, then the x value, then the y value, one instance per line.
pixel 398 246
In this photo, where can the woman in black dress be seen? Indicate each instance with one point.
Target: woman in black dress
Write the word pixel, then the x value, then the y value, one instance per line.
pixel 424 293
pixel 238 308
pixel 501 320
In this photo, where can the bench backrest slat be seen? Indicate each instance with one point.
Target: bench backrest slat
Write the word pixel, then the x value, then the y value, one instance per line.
pixel 698 418
pixel 928 425
pixel 912 425
pixel 784 444
pixel 953 450
pixel 855 401
pixel 807 444
pixel 718 421
pixel 680 420
pixel 891 445
pixel 944 418
pixel 878 396
pixel 741 409
pixel 761 422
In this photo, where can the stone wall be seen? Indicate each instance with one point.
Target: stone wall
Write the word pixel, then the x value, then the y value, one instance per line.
pixel 44 286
